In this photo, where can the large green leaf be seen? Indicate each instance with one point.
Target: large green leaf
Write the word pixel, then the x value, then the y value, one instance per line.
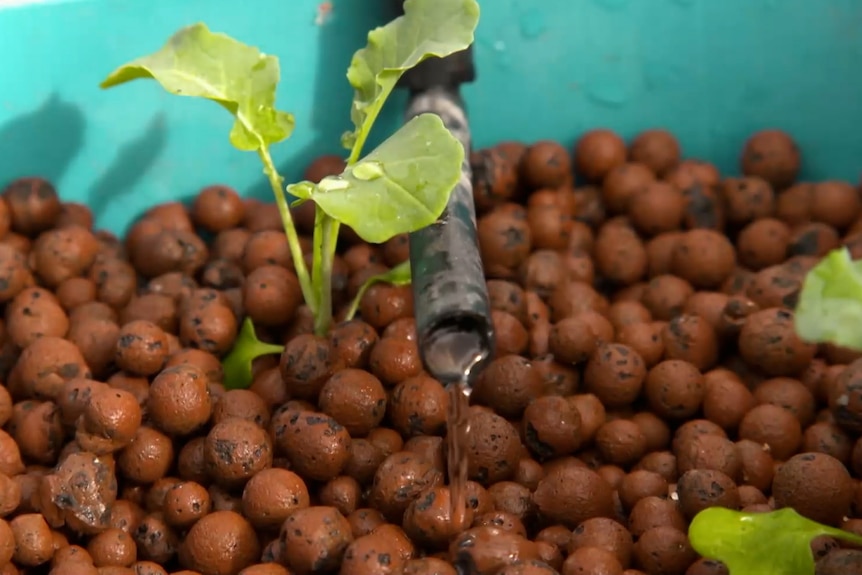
pixel 830 303
pixel 428 28
pixel 774 543
pixel 400 187
pixel 199 63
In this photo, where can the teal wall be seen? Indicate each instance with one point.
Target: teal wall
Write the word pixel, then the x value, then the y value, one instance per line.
pixel 711 70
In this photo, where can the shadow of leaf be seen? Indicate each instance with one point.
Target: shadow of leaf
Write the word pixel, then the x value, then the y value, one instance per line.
pixel 131 163
pixel 42 142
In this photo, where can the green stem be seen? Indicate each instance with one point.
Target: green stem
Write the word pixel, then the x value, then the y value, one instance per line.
pixel 362 134
pixel 327 228
pixel 276 182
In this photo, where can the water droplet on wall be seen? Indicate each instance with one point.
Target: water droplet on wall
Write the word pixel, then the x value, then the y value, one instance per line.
pixel 532 24
pixel 608 93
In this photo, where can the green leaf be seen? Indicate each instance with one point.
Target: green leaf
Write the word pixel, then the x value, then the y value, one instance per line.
pixel 427 29
pixel 399 275
pixel 400 187
pixel 197 62
pixel 830 302
pixel 774 543
pixel 246 349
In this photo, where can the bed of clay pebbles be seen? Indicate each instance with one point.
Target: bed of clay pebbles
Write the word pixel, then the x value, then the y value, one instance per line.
pixel 646 368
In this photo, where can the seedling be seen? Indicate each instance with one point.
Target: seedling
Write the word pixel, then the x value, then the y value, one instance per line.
pixel 774 543
pixel 400 187
pixel 238 363
pixel 830 303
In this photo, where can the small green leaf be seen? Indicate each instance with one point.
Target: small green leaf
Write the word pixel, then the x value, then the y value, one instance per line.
pixel 830 303
pixel 399 276
pixel 246 349
pixel 774 543
pixel 400 187
pixel 197 62
pixel 427 29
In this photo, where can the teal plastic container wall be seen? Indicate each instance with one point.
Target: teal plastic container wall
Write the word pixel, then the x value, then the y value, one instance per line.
pixel 713 71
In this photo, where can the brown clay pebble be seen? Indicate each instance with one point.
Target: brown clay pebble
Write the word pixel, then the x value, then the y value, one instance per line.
pixel 493 447
pixel 545 164
pixel 816 485
pixel 418 406
pixel 615 374
pixel 179 400
pixel 571 494
pixel 315 539
pixel 773 426
pixel 354 398
pixel 112 548
pixel 772 155
pixel 597 152
pixel 315 443
pixel 768 341
pixel 664 550
pixel 657 149
pixel 674 389
pixel 508 384
pixel 221 543
pixel 705 258
pixel 552 427
pixel 603 533
pixel 700 489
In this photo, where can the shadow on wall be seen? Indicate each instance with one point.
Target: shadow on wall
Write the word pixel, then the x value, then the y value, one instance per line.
pixel 339 38
pixel 42 142
pixel 131 162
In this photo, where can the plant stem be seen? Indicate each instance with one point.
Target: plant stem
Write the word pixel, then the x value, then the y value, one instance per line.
pixel 276 182
pixel 325 240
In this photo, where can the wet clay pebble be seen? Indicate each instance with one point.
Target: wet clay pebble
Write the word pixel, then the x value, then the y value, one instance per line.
pixel 699 489
pixel 774 426
pixel 552 427
pixel 816 485
pixel 221 543
pixel 509 384
pixel 33 205
pixel 428 518
pixel 769 342
pixel 545 164
pixel 597 152
pixel 615 374
pixel 664 550
pixel 317 446
pixel 271 495
pixel 271 295
pixel 217 208
pixel 571 494
pixel 236 449
pixel 418 406
pixel 772 155
pixel 112 548
pixel 354 398
pixel 179 400
pixel 315 539
pixel 657 149
pixel 493 447
pixel 485 550
pixel 623 183
pixel 674 389
pixel 109 422
pixel 603 533
pixel 34 544
pixel 703 257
